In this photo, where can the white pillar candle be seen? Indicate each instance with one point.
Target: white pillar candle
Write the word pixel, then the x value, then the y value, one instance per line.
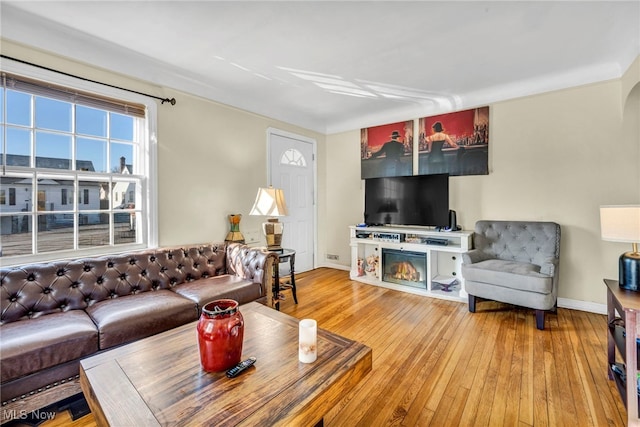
pixel 308 338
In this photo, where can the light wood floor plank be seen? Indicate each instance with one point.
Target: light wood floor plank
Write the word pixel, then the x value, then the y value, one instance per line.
pixel 436 364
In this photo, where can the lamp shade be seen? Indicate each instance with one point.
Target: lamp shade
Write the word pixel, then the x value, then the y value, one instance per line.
pixel 620 223
pixel 269 202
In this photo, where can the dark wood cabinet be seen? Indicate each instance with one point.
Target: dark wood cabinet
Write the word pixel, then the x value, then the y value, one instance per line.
pixel 623 316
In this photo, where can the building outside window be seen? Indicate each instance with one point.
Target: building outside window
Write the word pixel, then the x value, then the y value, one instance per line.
pixel 66 152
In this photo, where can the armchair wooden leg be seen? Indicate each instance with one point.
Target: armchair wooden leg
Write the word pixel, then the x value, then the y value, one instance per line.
pixel 472 303
pixel 540 319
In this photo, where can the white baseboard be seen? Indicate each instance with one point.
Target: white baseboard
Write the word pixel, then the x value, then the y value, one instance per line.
pixel 336 266
pixel 591 307
pixel 572 304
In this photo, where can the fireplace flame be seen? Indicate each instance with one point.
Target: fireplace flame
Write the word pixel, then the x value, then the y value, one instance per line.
pixel 404 270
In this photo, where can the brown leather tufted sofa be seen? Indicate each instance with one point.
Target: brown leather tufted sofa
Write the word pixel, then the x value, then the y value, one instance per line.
pixel 55 314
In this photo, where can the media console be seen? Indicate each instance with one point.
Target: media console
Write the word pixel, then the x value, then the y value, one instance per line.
pixel 417 260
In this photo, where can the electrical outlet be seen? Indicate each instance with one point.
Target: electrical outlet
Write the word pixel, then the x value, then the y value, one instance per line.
pixel 333 257
pixel 252 236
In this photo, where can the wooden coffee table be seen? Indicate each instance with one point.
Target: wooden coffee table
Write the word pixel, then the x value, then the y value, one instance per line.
pixel 159 381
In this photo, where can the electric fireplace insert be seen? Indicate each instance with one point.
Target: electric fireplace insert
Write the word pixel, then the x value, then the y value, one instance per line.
pixel 404 268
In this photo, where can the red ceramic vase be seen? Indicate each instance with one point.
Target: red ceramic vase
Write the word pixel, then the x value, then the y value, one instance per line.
pixel 220 334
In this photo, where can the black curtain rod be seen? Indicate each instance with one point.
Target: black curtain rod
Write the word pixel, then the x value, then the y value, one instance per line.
pixel 171 101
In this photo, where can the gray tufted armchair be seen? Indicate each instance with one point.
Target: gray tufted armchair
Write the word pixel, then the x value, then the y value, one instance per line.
pixel 514 262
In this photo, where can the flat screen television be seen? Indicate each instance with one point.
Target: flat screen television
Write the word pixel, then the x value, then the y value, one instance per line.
pixel 421 200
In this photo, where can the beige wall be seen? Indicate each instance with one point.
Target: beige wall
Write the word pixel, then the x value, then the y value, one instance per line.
pixel 211 161
pixel 556 157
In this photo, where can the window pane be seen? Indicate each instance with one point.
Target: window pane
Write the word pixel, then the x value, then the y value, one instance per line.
pixel 91 155
pixel 93 230
pixel 49 194
pixel 121 127
pixel 124 195
pixel 53 151
pixel 124 228
pixel 1 105
pixel 121 159
pixel 293 157
pixel 91 195
pixel 90 121
pixel 18 108
pixel 18 193
pixel 53 114
pixel 15 231
pixel 54 235
pixel 18 147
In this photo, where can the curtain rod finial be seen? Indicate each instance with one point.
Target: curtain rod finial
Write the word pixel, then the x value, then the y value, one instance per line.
pixel 171 101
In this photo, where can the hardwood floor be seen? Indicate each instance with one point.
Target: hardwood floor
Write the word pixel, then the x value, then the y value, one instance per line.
pixel 436 364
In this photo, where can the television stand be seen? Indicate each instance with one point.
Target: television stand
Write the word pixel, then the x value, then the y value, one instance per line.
pixel 418 260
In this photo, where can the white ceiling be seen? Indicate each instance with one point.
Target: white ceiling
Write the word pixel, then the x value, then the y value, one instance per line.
pixel 337 66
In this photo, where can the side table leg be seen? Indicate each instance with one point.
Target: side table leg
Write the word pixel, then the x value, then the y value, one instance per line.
pixel 611 350
pixel 292 262
pixel 276 285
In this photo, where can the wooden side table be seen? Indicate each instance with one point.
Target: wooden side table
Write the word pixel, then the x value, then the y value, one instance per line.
pixel 283 256
pixel 623 315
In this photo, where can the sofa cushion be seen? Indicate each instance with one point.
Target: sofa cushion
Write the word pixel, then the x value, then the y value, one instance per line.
pixel 128 318
pixel 204 291
pixel 28 346
pixel 35 290
pixel 509 274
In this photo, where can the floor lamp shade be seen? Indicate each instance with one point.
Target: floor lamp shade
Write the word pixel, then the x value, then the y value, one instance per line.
pixel 270 202
pixel 621 223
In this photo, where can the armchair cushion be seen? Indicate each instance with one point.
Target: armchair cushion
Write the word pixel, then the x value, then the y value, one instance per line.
pixel 510 274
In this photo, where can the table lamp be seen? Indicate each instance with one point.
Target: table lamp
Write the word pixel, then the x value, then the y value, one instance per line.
pixel 621 223
pixel 270 202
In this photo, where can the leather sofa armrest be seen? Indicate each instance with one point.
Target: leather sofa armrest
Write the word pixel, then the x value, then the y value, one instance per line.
pixel 473 256
pixel 254 264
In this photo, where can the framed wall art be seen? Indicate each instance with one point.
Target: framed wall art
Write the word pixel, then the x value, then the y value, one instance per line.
pixel 454 143
pixel 387 150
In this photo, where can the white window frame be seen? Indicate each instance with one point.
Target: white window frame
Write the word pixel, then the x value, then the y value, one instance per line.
pixel 148 161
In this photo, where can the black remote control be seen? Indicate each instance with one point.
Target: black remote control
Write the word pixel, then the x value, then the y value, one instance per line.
pixel 241 367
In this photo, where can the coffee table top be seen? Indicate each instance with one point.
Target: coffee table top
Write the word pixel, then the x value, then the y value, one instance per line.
pixel 159 381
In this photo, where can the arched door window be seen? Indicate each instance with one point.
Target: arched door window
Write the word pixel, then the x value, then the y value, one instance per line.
pixel 293 157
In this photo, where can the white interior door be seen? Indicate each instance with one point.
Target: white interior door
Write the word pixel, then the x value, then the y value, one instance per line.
pixel 291 167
